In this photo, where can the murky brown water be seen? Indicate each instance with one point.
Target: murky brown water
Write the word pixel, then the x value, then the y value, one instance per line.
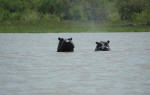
pixel 30 65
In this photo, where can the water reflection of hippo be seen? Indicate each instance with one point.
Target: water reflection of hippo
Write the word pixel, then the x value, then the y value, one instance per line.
pixel 65 45
pixel 102 46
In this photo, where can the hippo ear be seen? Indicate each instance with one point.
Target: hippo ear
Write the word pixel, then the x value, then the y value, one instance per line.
pixel 60 38
pixel 70 39
pixel 97 42
pixel 108 41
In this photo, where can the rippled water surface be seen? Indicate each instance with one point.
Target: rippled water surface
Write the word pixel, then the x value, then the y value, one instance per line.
pixel 30 65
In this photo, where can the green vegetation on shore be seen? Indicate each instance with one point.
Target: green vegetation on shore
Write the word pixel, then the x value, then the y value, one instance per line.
pixel 69 27
pixel 22 16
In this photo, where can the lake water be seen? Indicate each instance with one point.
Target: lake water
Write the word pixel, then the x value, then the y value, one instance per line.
pixel 30 65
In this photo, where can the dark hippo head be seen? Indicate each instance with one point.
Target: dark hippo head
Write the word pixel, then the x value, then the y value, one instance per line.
pixel 102 46
pixel 65 45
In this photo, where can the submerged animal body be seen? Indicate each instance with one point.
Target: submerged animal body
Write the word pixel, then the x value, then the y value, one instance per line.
pixel 65 45
pixel 102 46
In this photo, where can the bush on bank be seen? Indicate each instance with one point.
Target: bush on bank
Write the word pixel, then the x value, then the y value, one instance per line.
pixel 117 11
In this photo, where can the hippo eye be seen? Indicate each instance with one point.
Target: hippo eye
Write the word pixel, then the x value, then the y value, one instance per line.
pixel 70 39
pixel 106 44
pixel 100 44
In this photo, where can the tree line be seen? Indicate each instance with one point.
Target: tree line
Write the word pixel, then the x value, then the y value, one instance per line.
pixel 137 11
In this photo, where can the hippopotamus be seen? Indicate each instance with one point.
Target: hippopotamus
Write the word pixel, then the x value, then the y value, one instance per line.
pixel 102 46
pixel 65 45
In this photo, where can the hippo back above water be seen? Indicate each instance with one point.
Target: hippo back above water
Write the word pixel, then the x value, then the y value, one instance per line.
pixel 102 46
pixel 65 45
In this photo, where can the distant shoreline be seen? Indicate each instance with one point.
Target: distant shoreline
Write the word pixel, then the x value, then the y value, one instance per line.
pixel 70 27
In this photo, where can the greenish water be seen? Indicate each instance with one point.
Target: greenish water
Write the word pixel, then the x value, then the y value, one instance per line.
pixel 69 27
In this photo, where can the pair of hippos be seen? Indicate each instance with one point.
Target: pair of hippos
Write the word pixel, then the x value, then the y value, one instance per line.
pixel 66 45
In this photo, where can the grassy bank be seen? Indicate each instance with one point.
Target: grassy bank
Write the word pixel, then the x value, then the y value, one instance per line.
pixel 46 27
